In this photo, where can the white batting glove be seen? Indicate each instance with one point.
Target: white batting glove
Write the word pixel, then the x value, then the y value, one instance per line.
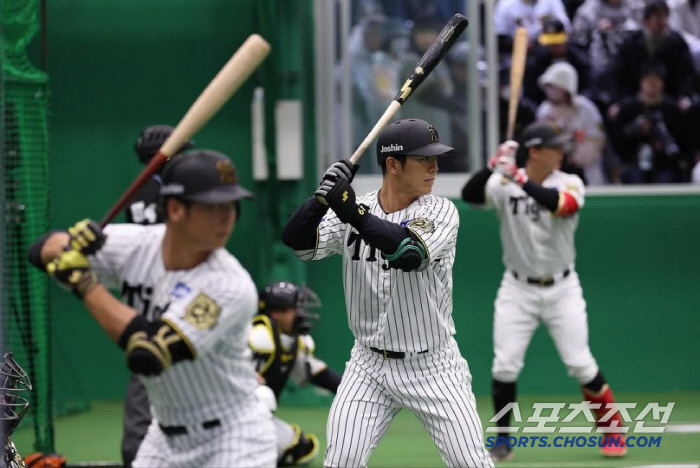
pixel 503 157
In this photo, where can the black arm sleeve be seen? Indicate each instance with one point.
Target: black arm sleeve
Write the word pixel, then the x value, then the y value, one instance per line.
pixel 398 245
pixel 548 197
pixel 383 235
pixel 301 229
pixel 34 254
pixel 328 379
pixel 474 190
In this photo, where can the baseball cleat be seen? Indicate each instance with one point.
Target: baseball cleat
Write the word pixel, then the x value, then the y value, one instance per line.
pixel 502 453
pixel 613 445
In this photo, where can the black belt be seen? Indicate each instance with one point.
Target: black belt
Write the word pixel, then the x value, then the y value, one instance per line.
pixel 180 430
pixel 393 354
pixel 545 281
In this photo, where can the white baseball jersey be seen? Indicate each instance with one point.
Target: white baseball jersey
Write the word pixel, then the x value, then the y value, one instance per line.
pixel 535 242
pixel 211 305
pixel 389 308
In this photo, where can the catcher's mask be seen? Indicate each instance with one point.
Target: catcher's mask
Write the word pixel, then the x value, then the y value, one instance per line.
pixel 15 382
pixel 284 295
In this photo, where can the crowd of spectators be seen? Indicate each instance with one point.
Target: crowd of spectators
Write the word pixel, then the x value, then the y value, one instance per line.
pixel 620 77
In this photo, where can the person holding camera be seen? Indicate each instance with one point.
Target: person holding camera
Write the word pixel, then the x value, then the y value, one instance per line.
pixel 648 132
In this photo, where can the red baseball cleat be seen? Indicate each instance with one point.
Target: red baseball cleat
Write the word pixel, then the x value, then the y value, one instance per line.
pixel 613 445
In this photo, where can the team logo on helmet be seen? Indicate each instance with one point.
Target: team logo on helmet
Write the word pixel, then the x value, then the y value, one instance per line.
pixel 421 224
pixel 226 172
pixel 202 312
pixel 433 133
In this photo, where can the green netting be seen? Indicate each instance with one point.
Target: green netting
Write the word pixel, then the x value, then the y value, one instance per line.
pixel 24 159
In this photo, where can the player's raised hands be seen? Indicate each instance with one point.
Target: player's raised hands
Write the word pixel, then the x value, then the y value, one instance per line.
pixel 340 196
pixel 504 157
pixel 72 271
pixel 86 237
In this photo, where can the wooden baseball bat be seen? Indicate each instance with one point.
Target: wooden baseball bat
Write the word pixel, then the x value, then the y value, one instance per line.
pixel 233 74
pixel 517 71
pixel 447 37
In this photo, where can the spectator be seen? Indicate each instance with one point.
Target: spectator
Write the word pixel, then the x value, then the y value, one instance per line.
pixel 368 103
pixel 576 116
pixel 601 26
pixel 508 14
pixel 648 133
pixel 685 18
pixel 552 46
pixel 654 41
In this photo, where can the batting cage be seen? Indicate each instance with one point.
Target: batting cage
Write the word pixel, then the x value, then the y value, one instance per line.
pixel 26 315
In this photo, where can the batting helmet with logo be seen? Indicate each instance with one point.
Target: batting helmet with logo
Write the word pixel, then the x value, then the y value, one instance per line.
pixel 410 137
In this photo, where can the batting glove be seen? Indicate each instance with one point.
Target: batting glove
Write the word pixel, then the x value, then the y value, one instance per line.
pixel 86 237
pixel 504 154
pixel 340 196
pixel 72 271
pixel 342 169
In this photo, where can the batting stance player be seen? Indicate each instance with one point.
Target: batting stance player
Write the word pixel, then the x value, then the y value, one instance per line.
pixel 538 210
pixel 142 209
pixel 398 247
pixel 189 344
pixel 282 348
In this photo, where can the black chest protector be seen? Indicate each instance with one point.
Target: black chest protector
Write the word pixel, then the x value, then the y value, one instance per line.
pixel 275 367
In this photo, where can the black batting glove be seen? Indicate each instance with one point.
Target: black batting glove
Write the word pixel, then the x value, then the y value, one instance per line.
pixel 86 237
pixel 343 169
pixel 72 271
pixel 340 197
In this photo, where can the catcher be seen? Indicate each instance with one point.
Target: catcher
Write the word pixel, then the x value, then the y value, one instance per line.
pixel 282 348
pixel 15 382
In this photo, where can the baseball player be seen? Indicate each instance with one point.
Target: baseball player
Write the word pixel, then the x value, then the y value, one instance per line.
pixel 282 348
pixel 538 210
pixel 187 340
pixel 14 386
pixel 398 248
pixel 143 206
pixel 142 209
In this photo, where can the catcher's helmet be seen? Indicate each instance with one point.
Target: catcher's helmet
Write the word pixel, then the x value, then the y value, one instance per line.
pixel 15 382
pixel 151 139
pixel 285 295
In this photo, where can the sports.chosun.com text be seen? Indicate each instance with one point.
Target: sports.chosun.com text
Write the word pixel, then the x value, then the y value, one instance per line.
pixel 573 441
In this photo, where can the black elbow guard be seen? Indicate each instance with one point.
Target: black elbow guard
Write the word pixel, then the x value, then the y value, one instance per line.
pixel 153 347
pixel 410 256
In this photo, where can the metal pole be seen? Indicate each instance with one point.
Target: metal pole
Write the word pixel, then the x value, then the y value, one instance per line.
pixel 475 129
pixel 492 118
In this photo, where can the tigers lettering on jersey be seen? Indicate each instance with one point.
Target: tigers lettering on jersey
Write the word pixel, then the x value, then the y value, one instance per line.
pixel 137 296
pixel 526 205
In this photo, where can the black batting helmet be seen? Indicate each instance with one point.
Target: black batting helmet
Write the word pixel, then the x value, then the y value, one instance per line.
pixel 410 137
pixel 151 139
pixel 15 382
pixel 285 295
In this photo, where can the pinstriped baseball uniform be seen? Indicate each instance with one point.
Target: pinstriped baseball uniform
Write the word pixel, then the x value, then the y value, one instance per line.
pixel 538 244
pixel 407 312
pixel 212 306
